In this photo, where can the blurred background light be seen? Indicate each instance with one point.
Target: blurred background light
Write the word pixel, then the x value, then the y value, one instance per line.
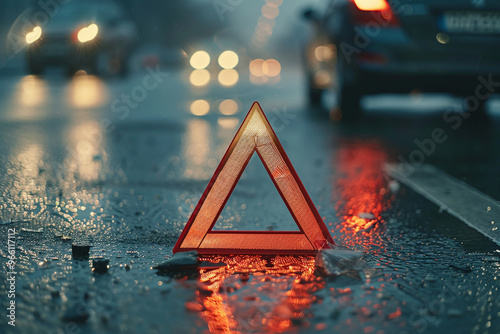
pixel 199 60
pixel 228 59
pixel 199 77
pixel 199 107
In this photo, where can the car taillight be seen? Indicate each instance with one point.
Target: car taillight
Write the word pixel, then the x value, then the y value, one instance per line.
pixel 373 11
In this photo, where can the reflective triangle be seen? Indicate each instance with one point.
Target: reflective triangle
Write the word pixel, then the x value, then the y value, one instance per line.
pixel 255 135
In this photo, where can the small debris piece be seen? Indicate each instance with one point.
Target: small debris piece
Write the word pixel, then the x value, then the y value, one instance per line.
pixel 430 278
pixel 14 221
pixel 462 269
pixel 6 222
pixel 366 215
pixel 65 238
pixel 394 186
pixel 181 264
pixel 100 265
pixel 44 264
pixel 337 260
pixel 455 313
pixel 38 230
pixel 211 265
pixel 78 314
pixel 80 252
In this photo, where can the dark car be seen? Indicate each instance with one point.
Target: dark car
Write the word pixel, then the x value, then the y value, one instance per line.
pixel 378 46
pixel 90 35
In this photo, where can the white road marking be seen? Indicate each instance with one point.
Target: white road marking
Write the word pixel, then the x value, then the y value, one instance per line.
pixel 468 204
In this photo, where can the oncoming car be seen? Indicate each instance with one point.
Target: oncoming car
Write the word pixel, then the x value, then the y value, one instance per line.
pixel 89 35
pixel 382 46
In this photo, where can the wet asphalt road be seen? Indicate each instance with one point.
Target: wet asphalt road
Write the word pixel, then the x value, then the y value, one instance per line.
pixel 80 165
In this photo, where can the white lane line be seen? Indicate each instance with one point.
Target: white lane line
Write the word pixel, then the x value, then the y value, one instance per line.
pixel 468 204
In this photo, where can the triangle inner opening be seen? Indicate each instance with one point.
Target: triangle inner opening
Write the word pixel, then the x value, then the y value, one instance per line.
pixel 255 204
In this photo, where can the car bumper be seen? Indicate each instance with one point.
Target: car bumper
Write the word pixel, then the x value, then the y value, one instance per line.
pixel 69 54
pixel 392 61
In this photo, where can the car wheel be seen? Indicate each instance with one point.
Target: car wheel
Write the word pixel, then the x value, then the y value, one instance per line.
pixel 348 106
pixel 481 112
pixel 347 96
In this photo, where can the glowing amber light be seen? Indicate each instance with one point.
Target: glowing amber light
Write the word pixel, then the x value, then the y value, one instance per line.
pixel 254 135
pixel 271 67
pixel 228 107
pixel 255 67
pixel 275 2
pixel 371 4
pixel 228 59
pixel 199 77
pixel 270 11
pixel 34 35
pixel 88 33
pixel 228 122
pixel 322 78
pixel 199 107
pixel 324 52
pixel 228 77
pixel 87 91
pixel 199 60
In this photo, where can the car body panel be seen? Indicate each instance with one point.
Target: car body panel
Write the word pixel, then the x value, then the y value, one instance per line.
pixel 417 52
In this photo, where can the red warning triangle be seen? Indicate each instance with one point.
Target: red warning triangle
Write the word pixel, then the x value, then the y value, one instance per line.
pixel 254 135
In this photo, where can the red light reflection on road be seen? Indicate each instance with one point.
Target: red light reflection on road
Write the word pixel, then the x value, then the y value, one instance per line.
pixel 363 191
pixel 274 295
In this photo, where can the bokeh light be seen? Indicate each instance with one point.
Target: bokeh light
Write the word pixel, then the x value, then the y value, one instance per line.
pixel 88 33
pixel 199 77
pixel 34 35
pixel 199 107
pixel 228 107
pixel 228 122
pixel 228 77
pixel 228 59
pixel 322 78
pixel 270 11
pixel 276 3
pixel 255 67
pixel 32 91
pixel 324 52
pixel 87 91
pixel 271 67
pixel 199 60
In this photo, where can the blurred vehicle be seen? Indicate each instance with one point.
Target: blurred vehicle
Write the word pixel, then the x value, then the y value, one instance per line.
pixel 90 35
pixel 378 46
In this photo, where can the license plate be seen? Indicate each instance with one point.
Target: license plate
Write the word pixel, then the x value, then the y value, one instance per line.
pixel 471 22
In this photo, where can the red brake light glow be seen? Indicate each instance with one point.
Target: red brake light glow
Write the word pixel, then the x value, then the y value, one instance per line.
pixel 372 5
pixel 369 11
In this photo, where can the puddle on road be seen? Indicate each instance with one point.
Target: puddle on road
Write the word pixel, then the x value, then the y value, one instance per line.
pixel 252 294
pixel 285 294
pixel 362 194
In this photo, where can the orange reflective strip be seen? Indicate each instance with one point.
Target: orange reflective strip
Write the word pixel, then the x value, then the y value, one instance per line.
pixel 250 240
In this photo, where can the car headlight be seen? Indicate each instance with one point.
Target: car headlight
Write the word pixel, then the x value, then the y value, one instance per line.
pixel 34 35
pixel 88 33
